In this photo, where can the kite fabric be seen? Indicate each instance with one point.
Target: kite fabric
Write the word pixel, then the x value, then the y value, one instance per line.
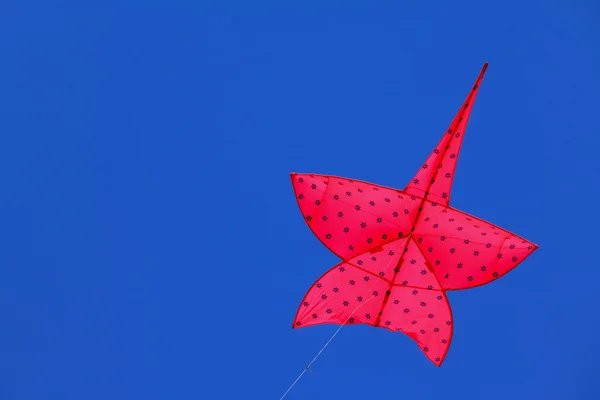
pixel 402 250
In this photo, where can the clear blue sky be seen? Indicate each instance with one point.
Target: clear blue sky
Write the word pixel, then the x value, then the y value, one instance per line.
pixel 150 242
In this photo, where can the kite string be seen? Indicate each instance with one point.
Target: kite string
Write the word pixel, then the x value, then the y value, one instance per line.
pixel 329 341
pixel 314 359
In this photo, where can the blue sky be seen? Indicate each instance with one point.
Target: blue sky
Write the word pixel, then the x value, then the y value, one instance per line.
pixel 150 243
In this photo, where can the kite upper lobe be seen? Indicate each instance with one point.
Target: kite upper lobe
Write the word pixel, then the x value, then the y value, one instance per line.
pixel 401 250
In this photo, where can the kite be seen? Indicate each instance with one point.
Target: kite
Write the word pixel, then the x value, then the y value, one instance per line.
pixel 401 251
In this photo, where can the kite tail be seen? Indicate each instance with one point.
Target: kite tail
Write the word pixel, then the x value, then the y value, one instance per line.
pixel 329 341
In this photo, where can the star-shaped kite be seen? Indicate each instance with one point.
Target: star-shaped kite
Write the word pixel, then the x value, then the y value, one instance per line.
pixel 402 250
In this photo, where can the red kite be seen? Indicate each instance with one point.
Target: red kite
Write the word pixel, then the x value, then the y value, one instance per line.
pixel 402 250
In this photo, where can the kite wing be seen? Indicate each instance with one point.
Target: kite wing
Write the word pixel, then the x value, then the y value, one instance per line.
pixel 352 217
pixel 465 251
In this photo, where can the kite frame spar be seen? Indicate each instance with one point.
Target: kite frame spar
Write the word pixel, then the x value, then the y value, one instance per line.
pixel 413 190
